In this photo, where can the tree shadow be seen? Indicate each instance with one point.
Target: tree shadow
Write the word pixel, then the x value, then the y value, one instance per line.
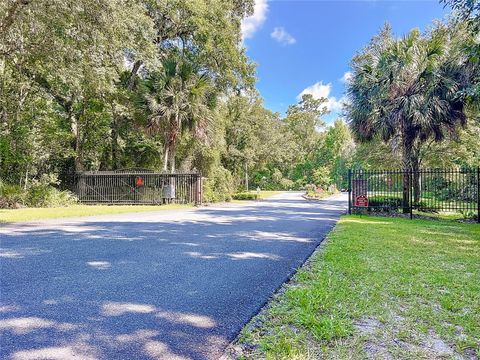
pixel 160 285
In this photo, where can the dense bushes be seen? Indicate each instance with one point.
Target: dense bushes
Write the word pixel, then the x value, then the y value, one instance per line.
pixel 218 186
pixel 40 193
pixel 245 196
pixel 11 196
pixel 392 202
pixel 314 192
pixel 272 180
pixel 387 203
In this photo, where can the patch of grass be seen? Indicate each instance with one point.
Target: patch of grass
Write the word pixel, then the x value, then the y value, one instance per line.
pixel 263 195
pixel 378 288
pixel 29 214
pixel 452 216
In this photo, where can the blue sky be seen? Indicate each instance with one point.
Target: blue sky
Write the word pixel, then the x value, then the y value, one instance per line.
pixel 306 45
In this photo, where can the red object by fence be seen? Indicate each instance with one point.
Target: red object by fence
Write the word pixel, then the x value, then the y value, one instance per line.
pixel 139 181
pixel 361 201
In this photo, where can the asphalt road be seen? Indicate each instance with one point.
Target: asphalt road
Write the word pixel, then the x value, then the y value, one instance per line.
pixel 157 285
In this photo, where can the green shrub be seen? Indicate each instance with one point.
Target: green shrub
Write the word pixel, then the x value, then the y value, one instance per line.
pixel 286 184
pixel 321 177
pixel 423 206
pixel 245 196
pixel 392 202
pixel 218 186
pixel 313 194
pixel 40 193
pixel 11 195
pixel 310 188
pixel 386 203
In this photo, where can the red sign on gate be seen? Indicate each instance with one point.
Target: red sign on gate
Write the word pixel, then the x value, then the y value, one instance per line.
pixel 361 201
pixel 139 181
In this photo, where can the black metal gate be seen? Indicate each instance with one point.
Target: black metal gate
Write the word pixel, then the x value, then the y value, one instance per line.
pixel 138 187
pixel 426 190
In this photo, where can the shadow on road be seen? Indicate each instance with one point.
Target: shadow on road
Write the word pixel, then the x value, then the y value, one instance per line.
pixel 176 285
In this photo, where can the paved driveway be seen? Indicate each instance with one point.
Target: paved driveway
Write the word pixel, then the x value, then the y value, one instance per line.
pixel 156 285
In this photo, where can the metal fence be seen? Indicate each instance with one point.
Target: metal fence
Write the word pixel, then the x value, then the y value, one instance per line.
pixel 426 190
pixel 138 187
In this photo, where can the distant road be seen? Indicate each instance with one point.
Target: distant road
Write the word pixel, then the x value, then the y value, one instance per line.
pixel 151 285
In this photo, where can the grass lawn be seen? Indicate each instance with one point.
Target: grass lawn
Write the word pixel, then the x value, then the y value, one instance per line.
pixel 379 288
pixel 28 214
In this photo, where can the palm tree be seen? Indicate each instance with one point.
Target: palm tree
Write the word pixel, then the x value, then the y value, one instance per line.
pixel 179 101
pixel 405 91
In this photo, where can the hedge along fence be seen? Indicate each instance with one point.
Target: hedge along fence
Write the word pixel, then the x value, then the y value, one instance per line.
pixel 138 187
pixel 245 196
pixel 427 190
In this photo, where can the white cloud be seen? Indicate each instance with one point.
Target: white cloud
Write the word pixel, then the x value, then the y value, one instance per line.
pixel 320 90
pixel 346 77
pixel 252 23
pixel 283 37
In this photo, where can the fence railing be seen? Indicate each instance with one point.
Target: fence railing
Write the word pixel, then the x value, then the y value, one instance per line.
pixel 138 187
pixel 426 190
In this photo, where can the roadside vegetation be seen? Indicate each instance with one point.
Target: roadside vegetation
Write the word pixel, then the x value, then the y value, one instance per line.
pixel 313 192
pixel 167 86
pixel 39 193
pixel 163 85
pixel 378 288
pixel 254 195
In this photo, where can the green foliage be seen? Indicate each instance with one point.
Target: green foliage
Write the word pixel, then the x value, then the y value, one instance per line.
pixel 40 193
pixel 466 8
pixel 321 177
pixel 218 186
pixel 167 85
pixel 389 202
pixel 11 195
pixel 405 91
pixel 76 102
pixel 245 196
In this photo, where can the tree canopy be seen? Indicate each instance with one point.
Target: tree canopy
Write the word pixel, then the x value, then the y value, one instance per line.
pixel 167 85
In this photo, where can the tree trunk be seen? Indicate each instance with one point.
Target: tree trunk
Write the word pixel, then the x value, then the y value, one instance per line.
pixel 416 180
pixel 133 75
pixel 165 155
pixel 173 142
pixel 78 144
pixel 25 184
pixel 246 175
pixel 172 156
pixel 407 171
pixel 114 140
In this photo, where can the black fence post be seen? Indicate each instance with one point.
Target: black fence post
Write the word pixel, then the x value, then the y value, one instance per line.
pixel 478 194
pixel 350 191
